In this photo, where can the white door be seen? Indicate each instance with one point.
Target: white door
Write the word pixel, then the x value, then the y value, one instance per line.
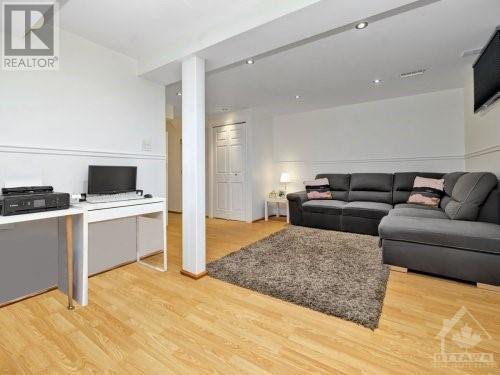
pixel 230 162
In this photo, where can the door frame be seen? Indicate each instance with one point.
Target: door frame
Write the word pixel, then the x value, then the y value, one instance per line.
pixel 211 168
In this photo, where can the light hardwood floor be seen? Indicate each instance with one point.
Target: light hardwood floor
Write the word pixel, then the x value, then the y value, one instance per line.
pixel 140 320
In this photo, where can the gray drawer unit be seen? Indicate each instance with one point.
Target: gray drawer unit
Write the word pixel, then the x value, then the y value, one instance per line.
pixel 29 258
pixel 111 243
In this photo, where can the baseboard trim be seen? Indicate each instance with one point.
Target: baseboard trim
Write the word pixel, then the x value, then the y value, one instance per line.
pixel 31 295
pixel 260 219
pixel 399 269
pixel 152 254
pixel 194 276
pixel 493 288
pixel 270 216
pixel 34 294
pixel 126 263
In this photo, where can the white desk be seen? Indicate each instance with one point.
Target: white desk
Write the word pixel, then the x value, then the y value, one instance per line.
pixel 96 212
pixel 73 248
pixel 65 275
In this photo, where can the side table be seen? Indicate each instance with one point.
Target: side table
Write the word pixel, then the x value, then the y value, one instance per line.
pixel 276 201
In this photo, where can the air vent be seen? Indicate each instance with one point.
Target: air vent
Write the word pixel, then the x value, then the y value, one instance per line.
pixel 471 52
pixel 412 74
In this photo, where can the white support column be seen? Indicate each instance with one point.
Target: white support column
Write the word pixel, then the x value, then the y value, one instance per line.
pixel 193 167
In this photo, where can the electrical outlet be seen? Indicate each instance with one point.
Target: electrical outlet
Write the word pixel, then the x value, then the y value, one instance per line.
pixel 146 145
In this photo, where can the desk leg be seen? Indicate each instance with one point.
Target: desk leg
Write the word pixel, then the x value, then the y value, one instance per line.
pixel 266 216
pixel 69 257
pixel 277 209
pixel 165 258
pixel 163 215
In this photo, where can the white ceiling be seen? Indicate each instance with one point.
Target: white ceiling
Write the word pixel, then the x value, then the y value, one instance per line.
pixel 294 27
pixel 328 72
pixel 339 69
pixel 156 32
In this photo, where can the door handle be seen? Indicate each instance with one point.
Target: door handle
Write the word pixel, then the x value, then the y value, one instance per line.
pixel 236 174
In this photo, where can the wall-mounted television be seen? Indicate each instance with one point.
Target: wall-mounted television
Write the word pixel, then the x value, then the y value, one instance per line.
pixel 111 179
pixel 487 74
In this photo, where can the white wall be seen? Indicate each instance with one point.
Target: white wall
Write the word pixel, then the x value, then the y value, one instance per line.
pixel 262 169
pixel 174 130
pixel 259 159
pixel 482 134
pixel 94 110
pixel 415 133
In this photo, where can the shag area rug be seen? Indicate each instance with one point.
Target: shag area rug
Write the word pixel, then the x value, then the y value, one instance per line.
pixel 336 273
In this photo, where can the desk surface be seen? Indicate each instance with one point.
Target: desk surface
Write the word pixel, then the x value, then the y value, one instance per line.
pixel 40 215
pixel 101 206
pixel 76 209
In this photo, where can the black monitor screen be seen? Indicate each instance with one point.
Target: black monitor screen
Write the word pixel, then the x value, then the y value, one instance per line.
pixel 111 180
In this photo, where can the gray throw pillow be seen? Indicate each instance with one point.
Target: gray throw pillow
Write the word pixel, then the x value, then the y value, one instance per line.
pixel 469 193
pixel 450 179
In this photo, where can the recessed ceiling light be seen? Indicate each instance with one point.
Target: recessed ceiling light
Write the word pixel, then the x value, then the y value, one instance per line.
pixel 297 96
pixel 179 93
pixel 250 61
pixel 377 81
pixel 362 25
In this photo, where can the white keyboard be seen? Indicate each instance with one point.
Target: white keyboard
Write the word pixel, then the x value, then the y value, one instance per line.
pixel 105 198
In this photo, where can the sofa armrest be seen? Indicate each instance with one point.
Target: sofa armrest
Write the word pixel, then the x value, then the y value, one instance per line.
pixel 300 197
pixel 295 201
pixel 490 210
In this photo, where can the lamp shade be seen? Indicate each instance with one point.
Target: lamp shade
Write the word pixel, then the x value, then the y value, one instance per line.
pixel 285 177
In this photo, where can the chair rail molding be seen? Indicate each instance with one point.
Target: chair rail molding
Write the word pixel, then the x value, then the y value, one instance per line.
pixel 377 160
pixel 81 152
pixel 483 151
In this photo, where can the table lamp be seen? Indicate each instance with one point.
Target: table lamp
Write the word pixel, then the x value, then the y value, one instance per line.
pixel 285 178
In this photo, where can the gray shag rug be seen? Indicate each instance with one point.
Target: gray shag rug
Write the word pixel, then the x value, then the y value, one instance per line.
pixel 336 273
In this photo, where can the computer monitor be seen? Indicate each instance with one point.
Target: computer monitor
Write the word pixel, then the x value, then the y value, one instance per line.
pixel 111 179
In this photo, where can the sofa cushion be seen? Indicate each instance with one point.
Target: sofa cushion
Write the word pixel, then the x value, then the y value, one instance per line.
pixel 450 179
pixel 444 202
pixel 475 236
pixel 469 193
pixel 417 206
pixel 330 207
pixel 339 184
pixel 371 187
pixel 322 221
pixel 368 210
pixel 417 212
pixel 403 184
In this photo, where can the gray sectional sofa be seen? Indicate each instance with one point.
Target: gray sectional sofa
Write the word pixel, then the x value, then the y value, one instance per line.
pixel 415 237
